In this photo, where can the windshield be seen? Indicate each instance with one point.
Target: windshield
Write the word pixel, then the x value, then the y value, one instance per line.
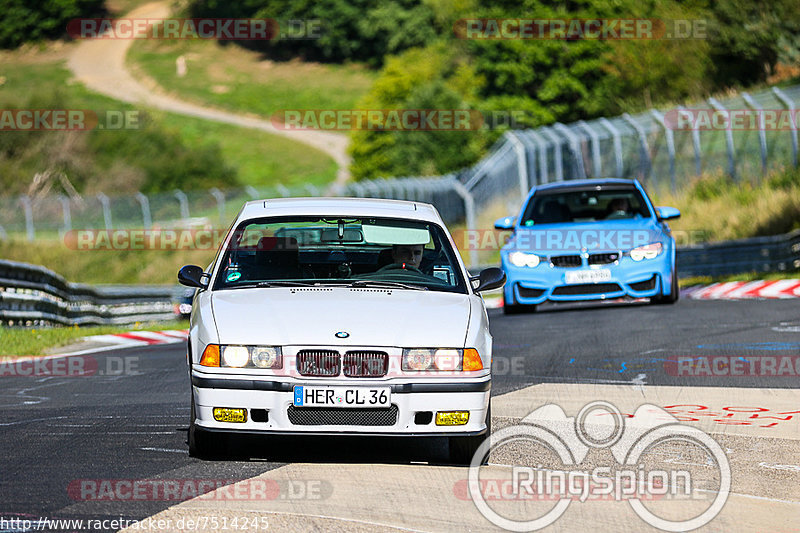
pixel 359 252
pixel 584 206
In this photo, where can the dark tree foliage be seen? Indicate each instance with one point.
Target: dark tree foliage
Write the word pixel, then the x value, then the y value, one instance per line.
pixel 33 20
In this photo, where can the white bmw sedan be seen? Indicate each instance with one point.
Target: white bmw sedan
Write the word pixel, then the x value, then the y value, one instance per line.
pixel 339 316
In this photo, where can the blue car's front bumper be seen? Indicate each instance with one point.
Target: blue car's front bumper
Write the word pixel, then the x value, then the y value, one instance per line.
pixel 638 279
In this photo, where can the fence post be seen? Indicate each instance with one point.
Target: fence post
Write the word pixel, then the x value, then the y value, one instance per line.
pixel 66 212
pixel 597 163
pixel 728 138
pixel 669 135
pixel 762 134
pixel 644 151
pixel 522 163
pixel 145 203
pixel 183 201
pixel 26 207
pixel 615 137
pixel 469 210
pixel 283 190
pixel 106 211
pixel 698 154
pixel 556 140
pixel 251 192
pixel 3 234
pixel 313 191
pixel 786 101
pixel 220 198
pixel 541 146
pixel 359 189
pixel 575 148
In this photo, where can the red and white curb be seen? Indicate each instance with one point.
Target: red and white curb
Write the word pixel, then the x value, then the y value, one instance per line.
pixel 743 290
pixel 141 338
pixel 133 338
pixel 493 302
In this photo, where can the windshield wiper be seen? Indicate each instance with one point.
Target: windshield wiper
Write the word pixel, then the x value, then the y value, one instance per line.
pixel 281 283
pixel 386 285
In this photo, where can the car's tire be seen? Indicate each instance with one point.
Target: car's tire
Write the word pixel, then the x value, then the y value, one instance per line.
pixel 203 444
pixel 674 292
pixel 516 309
pixel 462 449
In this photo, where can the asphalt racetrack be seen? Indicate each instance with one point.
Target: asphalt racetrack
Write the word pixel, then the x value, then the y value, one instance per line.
pixel 74 446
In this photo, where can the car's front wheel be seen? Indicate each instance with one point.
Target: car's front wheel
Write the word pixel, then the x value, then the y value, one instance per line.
pixel 463 449
pixel 674 292
pixel 512 308
pixel 202 444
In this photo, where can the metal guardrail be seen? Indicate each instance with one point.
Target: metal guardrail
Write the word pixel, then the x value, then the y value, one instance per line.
pixel 33 295
pixel 777 253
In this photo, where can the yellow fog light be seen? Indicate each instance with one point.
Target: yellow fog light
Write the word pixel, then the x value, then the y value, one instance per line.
pixel 452 418
pixel 227 414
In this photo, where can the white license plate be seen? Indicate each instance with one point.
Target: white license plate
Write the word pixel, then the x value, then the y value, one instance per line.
pixel 311 396
pixel 588 276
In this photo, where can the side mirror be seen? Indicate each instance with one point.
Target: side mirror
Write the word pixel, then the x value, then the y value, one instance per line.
pixel 490 278
pixel 193 276
pixel 667 213
pixel 505 223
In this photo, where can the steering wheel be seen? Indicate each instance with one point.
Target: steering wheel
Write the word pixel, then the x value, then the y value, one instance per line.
pixel 400 266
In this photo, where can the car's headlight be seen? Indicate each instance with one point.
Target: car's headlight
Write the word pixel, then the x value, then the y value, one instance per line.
pixel 648 251
pixel 521 259
pixel 441 359
pixel 237 356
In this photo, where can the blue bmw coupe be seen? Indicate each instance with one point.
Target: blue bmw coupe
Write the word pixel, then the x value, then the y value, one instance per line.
pixel 588 240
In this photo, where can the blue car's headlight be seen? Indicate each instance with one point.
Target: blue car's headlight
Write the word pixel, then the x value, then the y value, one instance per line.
pixel 521 259
pixel 648 251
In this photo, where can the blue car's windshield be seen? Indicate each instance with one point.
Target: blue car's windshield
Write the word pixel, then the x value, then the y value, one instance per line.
pixel 589 205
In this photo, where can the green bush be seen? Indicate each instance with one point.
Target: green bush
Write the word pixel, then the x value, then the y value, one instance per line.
pixel 351 30
pixel 34 20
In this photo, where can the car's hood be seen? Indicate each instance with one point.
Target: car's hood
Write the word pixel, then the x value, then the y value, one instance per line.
pixel 371 317
pixel 594 236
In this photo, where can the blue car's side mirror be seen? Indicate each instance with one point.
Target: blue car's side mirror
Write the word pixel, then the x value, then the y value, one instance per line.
pixel 505 223
pixel 667 213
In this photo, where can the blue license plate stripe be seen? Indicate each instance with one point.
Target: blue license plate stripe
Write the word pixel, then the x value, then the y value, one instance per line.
pixel 298 395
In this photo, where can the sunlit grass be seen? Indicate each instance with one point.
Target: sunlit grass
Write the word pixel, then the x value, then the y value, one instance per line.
pixel 37 340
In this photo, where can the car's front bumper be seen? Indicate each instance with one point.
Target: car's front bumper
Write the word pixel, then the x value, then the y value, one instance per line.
pixel 276 396
pixel 533 286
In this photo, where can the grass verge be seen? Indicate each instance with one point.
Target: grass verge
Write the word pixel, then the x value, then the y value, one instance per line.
pixel 230 77
pixel 139 267
pixel 35 341
pixel 127 160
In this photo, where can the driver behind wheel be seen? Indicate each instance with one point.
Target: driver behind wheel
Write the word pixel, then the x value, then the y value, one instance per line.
pixel 407 255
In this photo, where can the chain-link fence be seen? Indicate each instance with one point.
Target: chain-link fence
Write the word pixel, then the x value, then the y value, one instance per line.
pixel 744 136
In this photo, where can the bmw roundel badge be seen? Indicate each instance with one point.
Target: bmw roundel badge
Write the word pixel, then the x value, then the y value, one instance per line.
pixel 341 334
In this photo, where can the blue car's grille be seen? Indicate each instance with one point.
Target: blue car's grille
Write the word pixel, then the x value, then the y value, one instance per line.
pixel 603 259
pixel 586 288
pixel 566 261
